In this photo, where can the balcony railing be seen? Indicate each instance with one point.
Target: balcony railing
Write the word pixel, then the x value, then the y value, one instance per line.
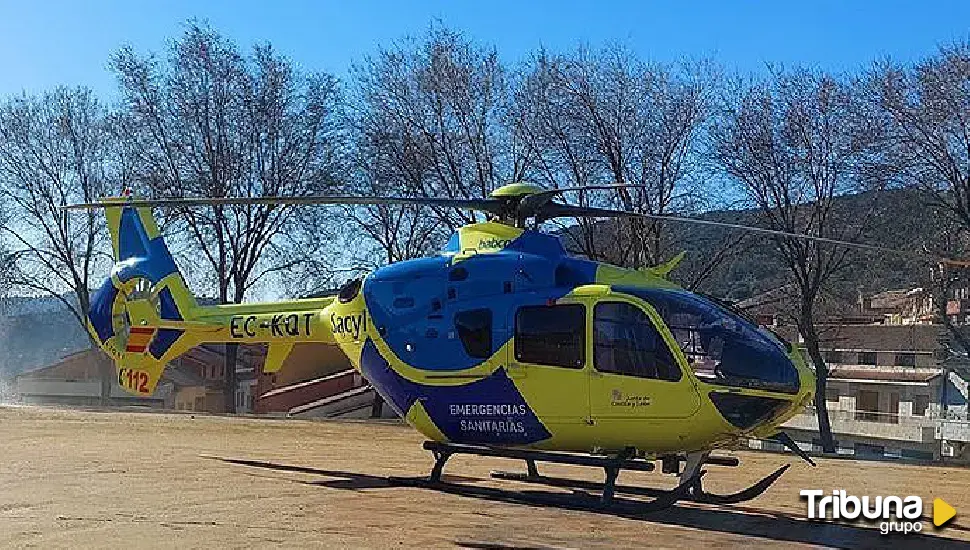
pixel 953 430
pixel 878 425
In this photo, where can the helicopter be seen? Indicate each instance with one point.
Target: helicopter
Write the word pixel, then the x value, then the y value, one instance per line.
pixel 502 345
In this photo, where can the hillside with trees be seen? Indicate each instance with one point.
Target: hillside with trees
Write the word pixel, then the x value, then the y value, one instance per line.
pixel 752 266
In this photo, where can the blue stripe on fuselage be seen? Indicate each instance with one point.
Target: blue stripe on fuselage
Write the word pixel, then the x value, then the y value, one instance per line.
pixel 490 410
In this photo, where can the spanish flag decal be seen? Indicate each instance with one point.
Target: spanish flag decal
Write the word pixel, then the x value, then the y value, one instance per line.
pixel 139 338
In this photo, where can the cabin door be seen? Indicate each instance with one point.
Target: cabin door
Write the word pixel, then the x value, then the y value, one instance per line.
pixel 547 362
pixel 634 375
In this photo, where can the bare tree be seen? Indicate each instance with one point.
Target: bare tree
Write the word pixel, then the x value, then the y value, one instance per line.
pixel 927 109
pixel 606 116
pixel 398 232
pixel 6 258
pixel 209 121
pixel 55 150
pixel 426 121
pixel 431 112
pixel 794 144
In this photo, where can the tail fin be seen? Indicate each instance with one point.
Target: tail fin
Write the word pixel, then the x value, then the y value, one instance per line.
pixel 144 293
pixel 144 315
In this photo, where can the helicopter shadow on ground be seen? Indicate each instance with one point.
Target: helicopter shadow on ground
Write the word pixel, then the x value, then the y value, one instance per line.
pixel 746 521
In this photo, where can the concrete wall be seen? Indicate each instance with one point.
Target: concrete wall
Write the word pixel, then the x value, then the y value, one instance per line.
pixel 40 390
pixel 186 399
pixel 912 429
pixel 885 433
pixel 848 392
pixel 246 396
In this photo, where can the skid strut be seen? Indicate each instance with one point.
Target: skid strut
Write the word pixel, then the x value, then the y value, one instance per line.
pixel 691 481
pixel 690 477
pixel 612 465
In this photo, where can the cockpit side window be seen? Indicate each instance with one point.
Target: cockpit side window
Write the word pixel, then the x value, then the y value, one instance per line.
pixel 722 347
pixel 626 342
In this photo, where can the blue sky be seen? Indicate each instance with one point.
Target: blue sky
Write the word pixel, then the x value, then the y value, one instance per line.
pixel 43 44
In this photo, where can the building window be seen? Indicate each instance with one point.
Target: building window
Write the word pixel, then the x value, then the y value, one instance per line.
pixel 551 335
pixel 867 358
pixel 475 331
pixel 867 406
pixel 833 356
pixel 626 342
pixel 906 359
pixel 893 416
pixel 920 404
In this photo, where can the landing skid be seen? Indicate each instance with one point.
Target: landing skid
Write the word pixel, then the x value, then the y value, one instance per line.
pixel 693 493
pixel 689 489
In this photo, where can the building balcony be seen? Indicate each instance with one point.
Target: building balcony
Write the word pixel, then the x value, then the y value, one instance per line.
pixel 920 429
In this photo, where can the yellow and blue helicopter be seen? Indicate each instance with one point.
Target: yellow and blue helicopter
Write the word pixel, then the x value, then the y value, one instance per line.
pixel 502 345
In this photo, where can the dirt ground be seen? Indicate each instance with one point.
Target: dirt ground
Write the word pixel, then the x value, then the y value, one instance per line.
pixel 121 480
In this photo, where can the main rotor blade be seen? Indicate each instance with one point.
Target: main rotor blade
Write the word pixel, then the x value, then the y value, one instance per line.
pixel 554 210
pixel 484 205
pixel 532 203
pixel 596 187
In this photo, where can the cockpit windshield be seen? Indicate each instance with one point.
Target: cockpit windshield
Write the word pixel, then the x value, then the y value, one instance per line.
pixel 722 347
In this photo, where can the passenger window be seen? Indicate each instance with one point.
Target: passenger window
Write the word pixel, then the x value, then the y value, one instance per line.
pixel 626 342
pixel 551 335
pixel 475 331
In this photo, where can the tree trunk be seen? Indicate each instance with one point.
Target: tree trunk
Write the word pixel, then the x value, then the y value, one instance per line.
pixel 821 379
pixel 232 352
pixel 940 295
pixel 106 372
